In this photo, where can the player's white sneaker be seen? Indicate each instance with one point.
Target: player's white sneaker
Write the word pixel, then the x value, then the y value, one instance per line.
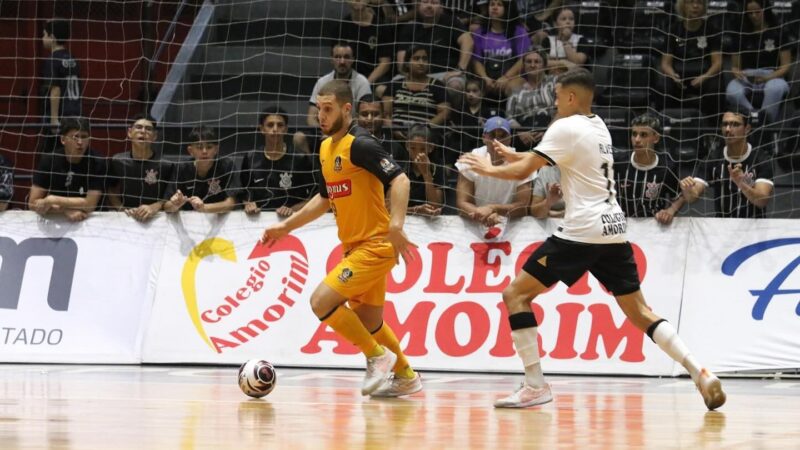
pixel 526 396
pixel 711 389
pixel 397 387
pixel 378 370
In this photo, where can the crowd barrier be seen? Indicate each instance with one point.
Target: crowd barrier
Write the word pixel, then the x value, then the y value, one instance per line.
pixel 195 288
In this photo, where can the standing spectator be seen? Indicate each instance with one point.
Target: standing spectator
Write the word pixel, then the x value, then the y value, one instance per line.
pixel 532 101
pixel 740 175
pixel 422 162
pixel 6 183
pixel 342 59
pixel 139 179
pixel 371 36
pixel 693 59
pixel 646 182
pixel 449 43
pixel 566 48
pixel 418 98
pixel 762 61
pixel 68 181
pixel 490 201
pixel 206 184
pixel 276 177
pixel 60 84
pixel 498 47
pixel 547 200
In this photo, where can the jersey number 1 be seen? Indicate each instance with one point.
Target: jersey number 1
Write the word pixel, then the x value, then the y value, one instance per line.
pixel 605 168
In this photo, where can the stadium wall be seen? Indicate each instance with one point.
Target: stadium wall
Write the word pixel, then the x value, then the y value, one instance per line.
pixel 193 288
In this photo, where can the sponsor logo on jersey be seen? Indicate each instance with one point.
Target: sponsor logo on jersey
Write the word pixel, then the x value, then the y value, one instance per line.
pixel 387 166
pixel 345 276
pixel 339 189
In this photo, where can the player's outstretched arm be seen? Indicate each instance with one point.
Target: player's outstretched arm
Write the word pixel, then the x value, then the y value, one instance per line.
pixel 519 167
pixel 311 211
pixel 399 192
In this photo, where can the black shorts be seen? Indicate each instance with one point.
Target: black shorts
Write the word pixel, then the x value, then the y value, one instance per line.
pixel 561 260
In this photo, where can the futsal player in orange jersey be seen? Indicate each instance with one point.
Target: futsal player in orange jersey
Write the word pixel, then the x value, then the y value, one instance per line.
pixel 355 170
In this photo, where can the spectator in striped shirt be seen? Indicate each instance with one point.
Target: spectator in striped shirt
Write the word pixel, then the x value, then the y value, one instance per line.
pixel 740 175
pixel 646 181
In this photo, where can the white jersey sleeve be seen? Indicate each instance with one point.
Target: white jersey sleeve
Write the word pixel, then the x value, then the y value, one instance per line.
pixel 557 143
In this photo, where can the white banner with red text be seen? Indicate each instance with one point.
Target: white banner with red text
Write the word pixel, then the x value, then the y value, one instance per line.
pixel 222 298
pixel 75 292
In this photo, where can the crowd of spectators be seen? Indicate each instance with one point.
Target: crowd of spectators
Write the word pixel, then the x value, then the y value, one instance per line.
pixel 433 79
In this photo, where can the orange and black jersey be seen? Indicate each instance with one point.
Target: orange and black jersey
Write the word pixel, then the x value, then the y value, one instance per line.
pixel 355 170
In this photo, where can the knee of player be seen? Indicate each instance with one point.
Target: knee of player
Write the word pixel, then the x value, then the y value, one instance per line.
pixel 512 296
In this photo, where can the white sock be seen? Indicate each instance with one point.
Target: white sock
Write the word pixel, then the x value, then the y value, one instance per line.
pixel 527 345
pixel 668 340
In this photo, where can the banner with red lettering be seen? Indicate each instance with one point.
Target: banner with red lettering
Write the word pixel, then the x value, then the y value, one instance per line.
pixel 222 298
pixel 740 302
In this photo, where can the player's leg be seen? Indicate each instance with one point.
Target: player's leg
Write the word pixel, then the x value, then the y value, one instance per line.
pixel 328 306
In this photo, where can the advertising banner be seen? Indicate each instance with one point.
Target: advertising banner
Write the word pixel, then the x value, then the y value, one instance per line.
pixel 75 292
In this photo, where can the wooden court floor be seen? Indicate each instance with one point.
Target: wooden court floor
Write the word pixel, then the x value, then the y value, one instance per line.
pixel 159 407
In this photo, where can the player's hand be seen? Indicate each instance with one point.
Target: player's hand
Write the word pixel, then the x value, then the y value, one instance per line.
pixel 506 152
pixel 75 215
pixel 737 174
pixel 197 203
pixel 274 232
pixel 664 217
pixel 284 211
pixel 251 208
pixel 401 243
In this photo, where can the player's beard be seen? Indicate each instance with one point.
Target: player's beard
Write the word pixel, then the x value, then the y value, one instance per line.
pixel 337 125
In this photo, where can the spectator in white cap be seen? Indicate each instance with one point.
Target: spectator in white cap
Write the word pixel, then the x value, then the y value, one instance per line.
pixel 492 201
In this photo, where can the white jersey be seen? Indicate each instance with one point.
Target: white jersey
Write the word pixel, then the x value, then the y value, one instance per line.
pixel 581 147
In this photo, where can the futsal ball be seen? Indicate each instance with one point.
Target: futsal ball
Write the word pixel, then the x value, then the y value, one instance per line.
pixel 257 378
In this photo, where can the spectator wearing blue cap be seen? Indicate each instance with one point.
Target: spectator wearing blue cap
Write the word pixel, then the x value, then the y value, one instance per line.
pixel 488 200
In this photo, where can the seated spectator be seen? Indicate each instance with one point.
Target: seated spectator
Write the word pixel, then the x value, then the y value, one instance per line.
pixel 693 59
pixel 498 47
pixel 342 59
pixel 536 15
pixel 397 11
pixel 740 175
pixel 370 116
pixel 6 183
pixel 761 63
pixel 487 200
pixel 547 200
pixel 138 179
pixel 647 183
pixel 566 49
pixel 423 164
pixel 371 36
pixel 449 43
pixel 532 101
pixel 277 177
pixel 470 119
pixel 68 181
pixel 206 184
pixel 418 98
pixel 468 12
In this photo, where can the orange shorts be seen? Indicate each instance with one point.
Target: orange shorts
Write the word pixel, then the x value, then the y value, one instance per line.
pixel 361 275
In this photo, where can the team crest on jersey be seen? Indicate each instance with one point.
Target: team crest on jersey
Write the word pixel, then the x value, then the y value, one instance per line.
pixel 387 165
pixel 345 276
pixel 151 176
pixel 214 186
pixel 337 164
pixel 651 190
pixel 702 42
pixel 286 180
pixel 769 45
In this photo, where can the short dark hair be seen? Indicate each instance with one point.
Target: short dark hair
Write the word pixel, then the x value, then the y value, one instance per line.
pixel 422 130
pixel 577 76
pixel 647 120
pixel 202 133
pixel 74 123
pixel 339 89
pixel 146 117
pixel 341 44
pixel 273 110
pixel 58 28
pixel 368 98
pixel 744 113
pixel 474 80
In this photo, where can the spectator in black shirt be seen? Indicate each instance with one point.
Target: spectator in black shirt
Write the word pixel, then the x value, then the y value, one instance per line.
pixel 70 180
pixel 138 179
pixel 646 182
pixel 60 85
pixel 276 177
pixel 371 36
pixel 207 184
pixel 422 162
pixel 370 117
pixel 740 175
pixel 693 59
pixel 6 183
pixel 760 61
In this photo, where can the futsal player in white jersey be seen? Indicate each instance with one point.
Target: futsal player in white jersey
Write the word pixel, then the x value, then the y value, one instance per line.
pixel 592 238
